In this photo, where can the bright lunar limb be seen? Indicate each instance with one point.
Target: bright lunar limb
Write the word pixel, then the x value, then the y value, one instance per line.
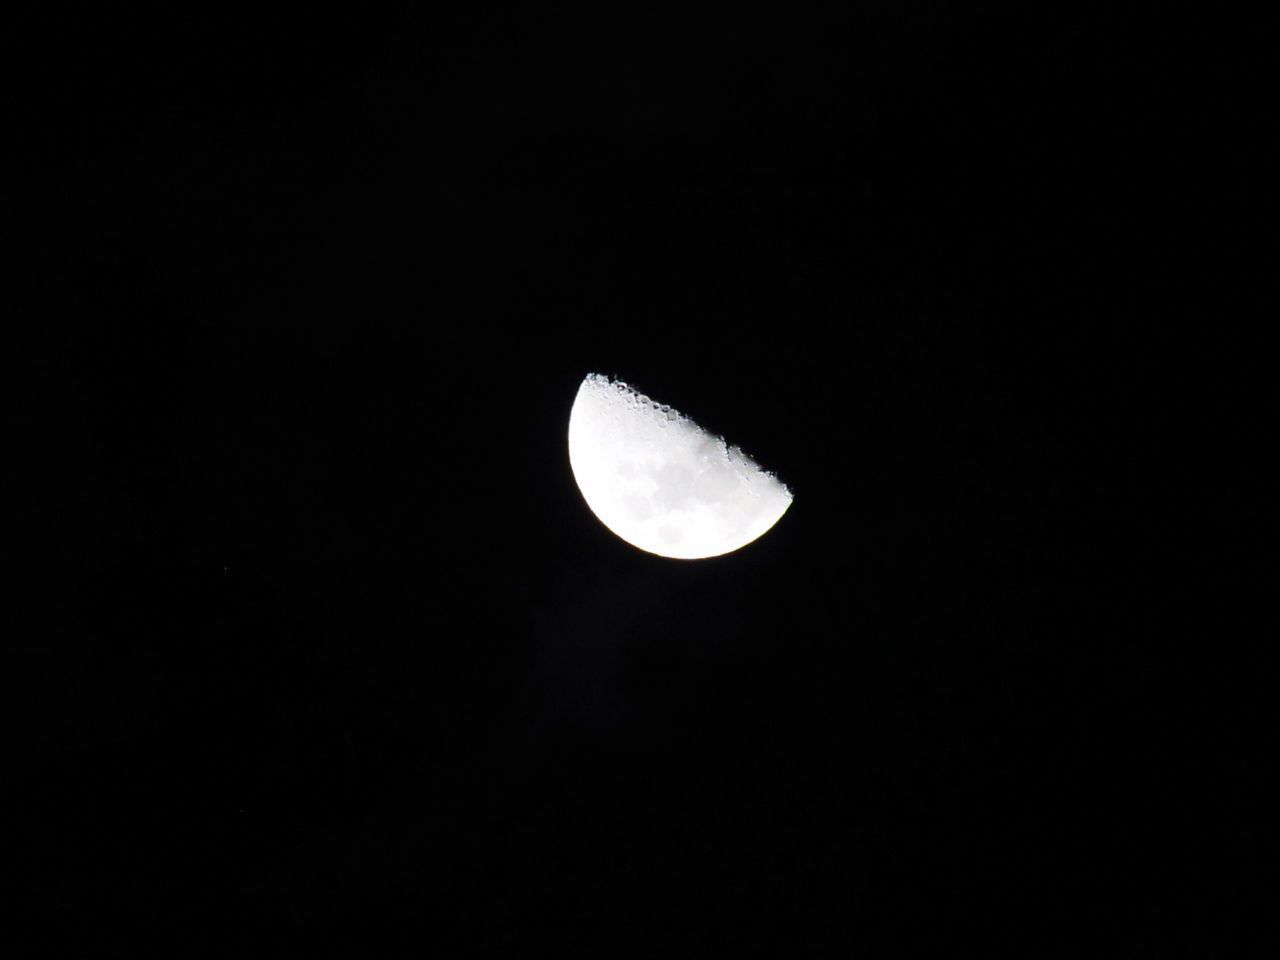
pixel 661 482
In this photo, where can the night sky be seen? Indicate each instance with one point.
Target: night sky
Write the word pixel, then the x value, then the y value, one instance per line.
pixel 314 647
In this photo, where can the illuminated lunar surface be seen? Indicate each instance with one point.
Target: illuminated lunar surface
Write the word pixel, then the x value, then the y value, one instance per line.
pixel 661 482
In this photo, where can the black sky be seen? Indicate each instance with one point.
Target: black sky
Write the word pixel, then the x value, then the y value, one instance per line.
pixel 317 649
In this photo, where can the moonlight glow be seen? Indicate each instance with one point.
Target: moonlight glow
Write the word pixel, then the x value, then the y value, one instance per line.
pixel 661 482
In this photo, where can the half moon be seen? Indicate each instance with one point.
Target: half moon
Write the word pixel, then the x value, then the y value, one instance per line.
pixel 661 482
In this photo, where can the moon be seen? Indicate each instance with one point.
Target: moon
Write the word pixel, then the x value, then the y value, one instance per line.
pixel 661 482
